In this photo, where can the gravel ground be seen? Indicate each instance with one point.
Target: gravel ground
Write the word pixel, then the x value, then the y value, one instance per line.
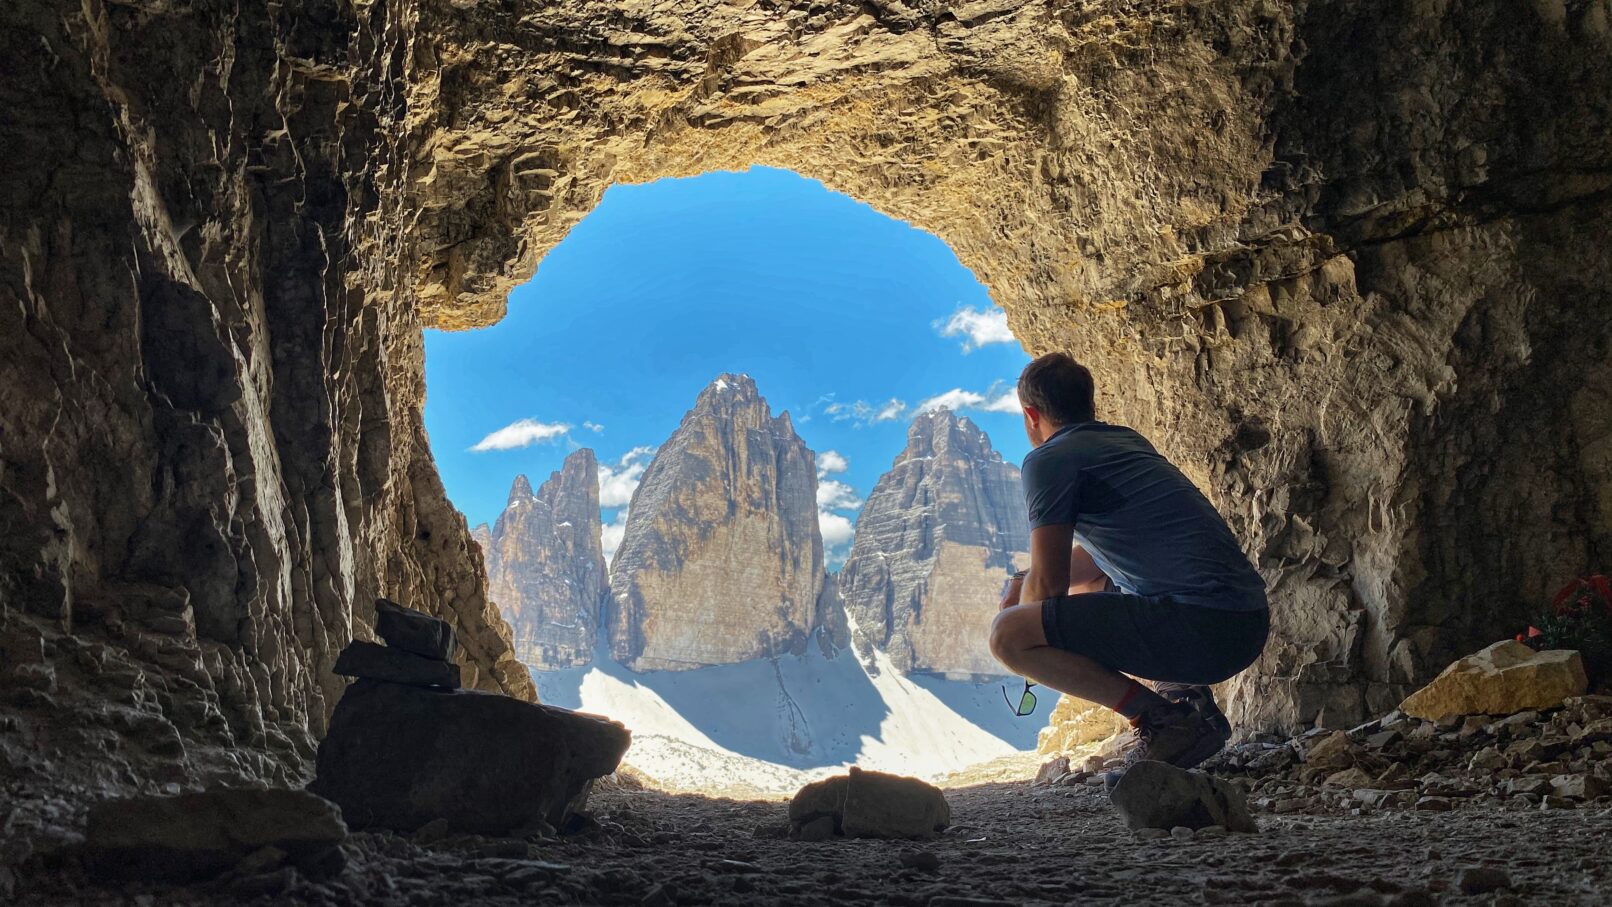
pixel 1012 843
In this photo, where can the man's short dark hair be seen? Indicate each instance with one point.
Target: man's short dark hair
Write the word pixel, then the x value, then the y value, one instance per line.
pixel 1059 388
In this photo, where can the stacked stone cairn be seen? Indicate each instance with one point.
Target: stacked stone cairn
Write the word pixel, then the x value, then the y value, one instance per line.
pixel 408 748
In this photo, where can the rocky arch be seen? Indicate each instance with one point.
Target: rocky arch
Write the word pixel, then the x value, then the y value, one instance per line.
pixel 1341 260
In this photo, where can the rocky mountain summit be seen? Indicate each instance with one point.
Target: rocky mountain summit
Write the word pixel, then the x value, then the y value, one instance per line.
pixel 935 543
pixel 545 565
pixel 722 560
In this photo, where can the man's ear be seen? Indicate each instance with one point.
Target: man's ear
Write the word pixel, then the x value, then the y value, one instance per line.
pixel 1033 414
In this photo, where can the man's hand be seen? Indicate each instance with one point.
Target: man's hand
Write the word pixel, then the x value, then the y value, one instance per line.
pixel 1011 597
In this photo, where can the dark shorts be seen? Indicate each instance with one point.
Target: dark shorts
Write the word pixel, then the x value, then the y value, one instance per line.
pixel 1156 638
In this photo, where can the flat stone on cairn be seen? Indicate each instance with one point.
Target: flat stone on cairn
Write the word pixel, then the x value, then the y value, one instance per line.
pixel 415 632
pixel 418 652
pixel 377 662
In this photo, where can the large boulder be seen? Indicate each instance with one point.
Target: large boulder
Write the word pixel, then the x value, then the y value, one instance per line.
pixel 198 836
pixel 366 659
pixel 1506 678
pixel 864 804
pixel 401 756
pixel 415 632
pixel 1159 795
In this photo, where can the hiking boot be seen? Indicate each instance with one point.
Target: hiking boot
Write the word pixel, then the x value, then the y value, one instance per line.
pixel 1202 699
pixel 1176 733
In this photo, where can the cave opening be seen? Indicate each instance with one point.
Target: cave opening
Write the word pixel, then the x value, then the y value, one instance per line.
pixel 854 341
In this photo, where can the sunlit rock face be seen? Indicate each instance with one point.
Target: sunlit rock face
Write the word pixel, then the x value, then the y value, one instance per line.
pixel 546 568
pixel 722 560
pixel 1343 261
pixel 935 544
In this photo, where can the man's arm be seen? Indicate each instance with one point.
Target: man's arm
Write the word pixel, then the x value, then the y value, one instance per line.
pixel 1051 551
pixel 1084 574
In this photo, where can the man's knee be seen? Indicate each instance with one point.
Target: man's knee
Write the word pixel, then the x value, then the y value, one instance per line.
pixel 1013 631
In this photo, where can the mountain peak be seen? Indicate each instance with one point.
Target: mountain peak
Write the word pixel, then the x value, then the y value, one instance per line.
pixel 940 431
pixel 521 490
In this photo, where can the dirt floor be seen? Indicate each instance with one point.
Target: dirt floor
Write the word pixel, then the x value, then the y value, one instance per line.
pixel 1012 843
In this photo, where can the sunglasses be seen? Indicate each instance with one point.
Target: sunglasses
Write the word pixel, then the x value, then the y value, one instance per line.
pixel 1026 700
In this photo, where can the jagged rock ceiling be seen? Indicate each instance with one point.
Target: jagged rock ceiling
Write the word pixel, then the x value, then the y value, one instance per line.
pixel 1344 261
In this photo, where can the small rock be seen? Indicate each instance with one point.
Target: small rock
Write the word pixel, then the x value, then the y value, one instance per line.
pixel 921 860
pixel 1434 804
pixel 819 829
pixel 1052 770
pixel 1578 787
pixel 199 836
pixel 1483 879
pixel 415 632
pixel 1181 833
pixel 865 804
pixel 1157 795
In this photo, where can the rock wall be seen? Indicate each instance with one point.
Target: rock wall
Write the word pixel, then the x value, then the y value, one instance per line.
pixel 212 458
pixel 935 545
pixel 545 565
pixel 1342 260
pixel 722 560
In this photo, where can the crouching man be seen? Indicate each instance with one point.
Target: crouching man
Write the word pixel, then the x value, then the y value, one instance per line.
pixel 1133 574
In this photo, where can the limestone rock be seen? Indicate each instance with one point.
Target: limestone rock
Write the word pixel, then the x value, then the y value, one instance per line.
pixel 366 659
pixel 414 631
pixel 196 836
pixel 398 757
pixel 864 804
pixel 1506 677
pixel 1158 795
pixel 722 560
pixel 546 568
pixel 1076 723
pixel 1327 304
pixel 935 544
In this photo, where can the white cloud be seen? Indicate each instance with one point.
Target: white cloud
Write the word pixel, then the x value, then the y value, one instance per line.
pixel 618 482
pixel 593 427
pixel 831 461
pixel 610 534
pixel 864 413
pixel 959 400
pixel 523 433
pixel 977 327
pixel 832 495
pixel 837 530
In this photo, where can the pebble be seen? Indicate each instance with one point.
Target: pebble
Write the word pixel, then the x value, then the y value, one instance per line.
pixel 1181 833
pixel 1483 879
pixel 922 860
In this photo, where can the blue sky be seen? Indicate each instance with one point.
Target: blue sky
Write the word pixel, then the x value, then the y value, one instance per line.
pixel 846 318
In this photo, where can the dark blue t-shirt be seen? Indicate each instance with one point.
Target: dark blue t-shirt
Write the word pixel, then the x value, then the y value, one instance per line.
pixel 1144 523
